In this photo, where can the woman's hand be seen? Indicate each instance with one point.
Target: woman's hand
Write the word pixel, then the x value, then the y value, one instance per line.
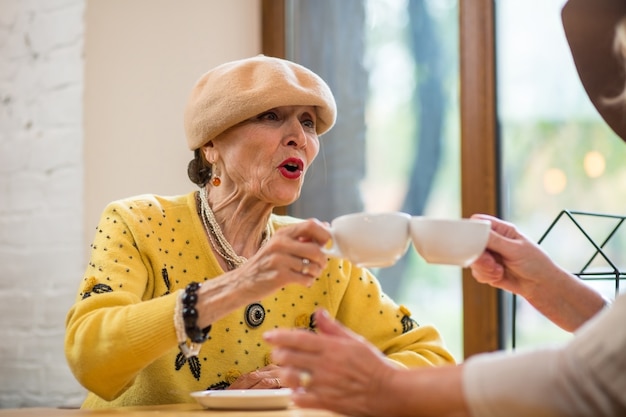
pixel 263 378
pixel 514 263
pixel 334 369
pixel 292 256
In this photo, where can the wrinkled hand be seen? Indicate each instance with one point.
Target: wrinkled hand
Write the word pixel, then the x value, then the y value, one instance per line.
pixel 263 378
pixel 512 261
pixel 345 371
pixel 293 255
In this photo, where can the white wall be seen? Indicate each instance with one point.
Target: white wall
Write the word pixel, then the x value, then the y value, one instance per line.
pixel 41 208
pixel 133 63
pixel 142 59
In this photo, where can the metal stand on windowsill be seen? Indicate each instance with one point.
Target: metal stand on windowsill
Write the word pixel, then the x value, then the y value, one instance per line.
pixel 612 272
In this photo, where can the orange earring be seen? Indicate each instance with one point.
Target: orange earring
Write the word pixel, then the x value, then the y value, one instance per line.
pixel 215 179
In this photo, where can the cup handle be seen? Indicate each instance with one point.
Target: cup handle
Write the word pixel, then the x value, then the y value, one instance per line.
pixel 332 249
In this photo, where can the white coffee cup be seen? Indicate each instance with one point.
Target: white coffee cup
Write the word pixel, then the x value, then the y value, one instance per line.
pixel 449 241
pixel 370 240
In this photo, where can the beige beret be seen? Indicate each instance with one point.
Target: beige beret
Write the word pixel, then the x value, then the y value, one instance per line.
pixel 235 91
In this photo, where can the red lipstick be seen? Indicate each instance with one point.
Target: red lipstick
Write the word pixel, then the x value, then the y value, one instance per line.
pixel 291 168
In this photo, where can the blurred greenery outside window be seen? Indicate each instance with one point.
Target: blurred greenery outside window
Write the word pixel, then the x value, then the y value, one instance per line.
pixel 413 143
pixel 557 153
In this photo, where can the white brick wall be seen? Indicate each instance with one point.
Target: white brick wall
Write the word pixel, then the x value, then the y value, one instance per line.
pixel 41 197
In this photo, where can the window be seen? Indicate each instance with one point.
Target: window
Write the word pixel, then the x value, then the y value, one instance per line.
pixel 478 179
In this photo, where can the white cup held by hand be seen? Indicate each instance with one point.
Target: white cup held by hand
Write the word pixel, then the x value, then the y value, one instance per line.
pixel 449 241
pixel 370 240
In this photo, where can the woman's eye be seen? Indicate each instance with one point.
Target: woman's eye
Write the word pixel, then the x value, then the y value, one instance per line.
pixel 269 116
pixel 309 123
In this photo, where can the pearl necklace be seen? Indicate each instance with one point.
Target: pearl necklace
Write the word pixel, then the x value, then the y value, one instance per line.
pixel 217 238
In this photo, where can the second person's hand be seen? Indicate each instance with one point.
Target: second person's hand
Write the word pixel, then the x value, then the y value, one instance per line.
pixel 514 263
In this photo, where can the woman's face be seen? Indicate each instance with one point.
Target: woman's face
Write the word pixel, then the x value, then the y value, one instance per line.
pixel 266 156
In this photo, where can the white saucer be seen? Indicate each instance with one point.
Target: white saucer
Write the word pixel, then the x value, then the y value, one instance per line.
pixel 244 399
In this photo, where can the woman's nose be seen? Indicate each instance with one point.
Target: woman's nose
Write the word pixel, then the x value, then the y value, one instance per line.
pixel 296 135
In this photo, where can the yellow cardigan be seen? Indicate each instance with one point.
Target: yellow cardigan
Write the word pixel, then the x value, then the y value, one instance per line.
pixel 120 340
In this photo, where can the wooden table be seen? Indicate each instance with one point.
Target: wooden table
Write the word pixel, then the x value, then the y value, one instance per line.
pixel 173 410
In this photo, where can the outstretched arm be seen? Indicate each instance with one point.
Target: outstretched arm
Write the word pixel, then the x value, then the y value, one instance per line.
pixel 346 374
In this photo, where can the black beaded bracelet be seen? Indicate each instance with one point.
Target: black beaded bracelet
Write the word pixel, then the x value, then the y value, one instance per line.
pixel 190 315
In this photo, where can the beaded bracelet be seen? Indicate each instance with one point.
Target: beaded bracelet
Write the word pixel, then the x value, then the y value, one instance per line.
pixel 190 315
pixel 185 321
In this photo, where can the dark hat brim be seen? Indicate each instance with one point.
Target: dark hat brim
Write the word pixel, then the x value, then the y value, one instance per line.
pixel 590 29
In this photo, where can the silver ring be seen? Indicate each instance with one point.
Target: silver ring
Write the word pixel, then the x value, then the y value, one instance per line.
pixel 304 379
pixel 305 266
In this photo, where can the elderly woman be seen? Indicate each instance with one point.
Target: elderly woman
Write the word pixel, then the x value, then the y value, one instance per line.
pixel 179 290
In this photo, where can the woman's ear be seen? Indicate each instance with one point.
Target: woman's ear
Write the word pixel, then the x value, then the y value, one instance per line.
pixel 209 152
